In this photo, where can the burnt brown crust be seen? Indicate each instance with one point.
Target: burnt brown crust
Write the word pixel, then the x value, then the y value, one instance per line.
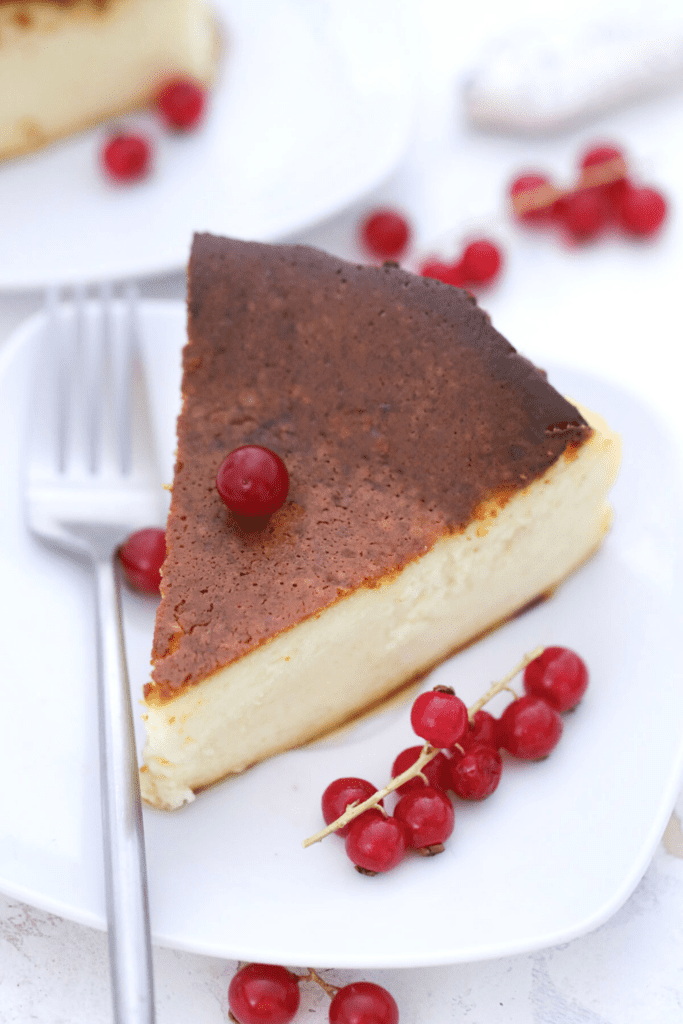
pixel 399 411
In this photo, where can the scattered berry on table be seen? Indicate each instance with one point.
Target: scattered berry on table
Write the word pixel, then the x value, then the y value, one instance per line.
pixel 264 994
pixel 481 262
pixel 363 1003
pixel 439 717
pixel 142 556
pixel 427 815
pixel 181 103
pixel 385 234
pixel 376 842
pixel 476 773
pixel 558 676
pixel 253 481
pixel 339 794
pixel 530 728
pixel 127 157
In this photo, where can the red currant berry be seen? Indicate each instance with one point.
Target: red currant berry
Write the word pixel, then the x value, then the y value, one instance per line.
pixel 264 994
pixel 528 190
pixel 439 717
pixel 363 1003
pixel 585 213
pixel 530 728
pixel 642 211
pixel 476 774
pixel 435 269
pixel 253 481
pixel 604 167
pixel 181 103
pixel 376 843
pixel 127 157
pixel 481 262
pixel 601 154
pixel 386 234
pixel 427 815
pixel 449 273
pixel 435 771
pixel 339 794
pixel 142 557
pixel 483 729
pixel 558 676
pixel 455 274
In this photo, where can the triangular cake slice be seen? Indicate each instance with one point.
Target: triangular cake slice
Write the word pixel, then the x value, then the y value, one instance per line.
pixel 438 484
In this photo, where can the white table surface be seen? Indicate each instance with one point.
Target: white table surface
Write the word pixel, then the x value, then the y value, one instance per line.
pixel 451 181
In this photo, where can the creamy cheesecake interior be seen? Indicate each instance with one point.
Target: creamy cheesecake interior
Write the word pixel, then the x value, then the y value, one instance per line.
pixel 67 66
pixel 330 667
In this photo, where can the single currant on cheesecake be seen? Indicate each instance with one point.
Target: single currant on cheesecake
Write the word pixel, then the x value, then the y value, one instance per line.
pixel 437 484
pixel 66 65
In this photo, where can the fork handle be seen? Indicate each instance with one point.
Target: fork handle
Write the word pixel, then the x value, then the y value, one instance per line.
pixel 130 946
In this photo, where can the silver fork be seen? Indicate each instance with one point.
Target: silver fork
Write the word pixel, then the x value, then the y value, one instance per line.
pixel 91 480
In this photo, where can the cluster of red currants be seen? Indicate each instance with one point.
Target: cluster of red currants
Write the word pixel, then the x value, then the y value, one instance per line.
pixel 461 754
pixel 603 197
pixel 127 156
pixel 266 994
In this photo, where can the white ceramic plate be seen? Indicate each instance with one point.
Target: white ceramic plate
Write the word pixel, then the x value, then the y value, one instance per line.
pixel 551 855
pixel 313 108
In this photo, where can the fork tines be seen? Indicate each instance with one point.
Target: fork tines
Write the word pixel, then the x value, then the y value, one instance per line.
pixel 88 364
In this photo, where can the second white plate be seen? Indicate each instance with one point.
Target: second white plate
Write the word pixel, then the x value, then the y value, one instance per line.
pixel 313 108
pixel 551 855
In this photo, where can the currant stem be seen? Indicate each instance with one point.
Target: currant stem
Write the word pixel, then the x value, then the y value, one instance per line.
pixel 427 754
pixel 540 197
pixel 313 975
pixel 502 684
pixel 604 173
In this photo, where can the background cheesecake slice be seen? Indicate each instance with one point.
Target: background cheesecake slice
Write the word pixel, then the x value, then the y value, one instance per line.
pixel 438 484
pixel 65 65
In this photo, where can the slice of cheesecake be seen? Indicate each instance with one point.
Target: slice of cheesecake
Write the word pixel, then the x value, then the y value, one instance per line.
pixel 438 484
pixel 66 65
